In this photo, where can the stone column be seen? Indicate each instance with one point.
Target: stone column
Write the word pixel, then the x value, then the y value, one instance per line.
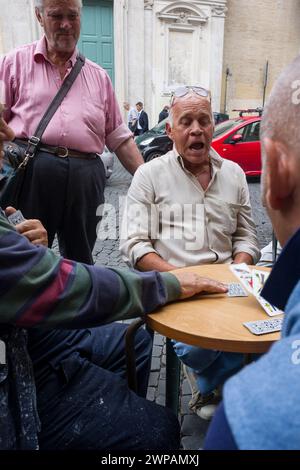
pixel 217 20
pixel 148 60
pixel 17 24
pixel 136 50
pixel 120 50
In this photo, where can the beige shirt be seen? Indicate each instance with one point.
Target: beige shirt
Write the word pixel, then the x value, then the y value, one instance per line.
pixel 167 212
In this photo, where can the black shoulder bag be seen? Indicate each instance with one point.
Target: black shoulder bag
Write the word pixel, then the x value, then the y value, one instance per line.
pixel 16 158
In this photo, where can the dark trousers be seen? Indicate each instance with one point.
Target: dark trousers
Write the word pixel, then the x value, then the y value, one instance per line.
pixel 84 401
pixel 64 193
pixel 83 398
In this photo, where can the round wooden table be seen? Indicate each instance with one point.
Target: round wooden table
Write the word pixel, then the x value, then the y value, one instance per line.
pixel 214 321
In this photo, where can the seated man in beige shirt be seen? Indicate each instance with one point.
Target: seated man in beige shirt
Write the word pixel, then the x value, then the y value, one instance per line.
pixel 191 207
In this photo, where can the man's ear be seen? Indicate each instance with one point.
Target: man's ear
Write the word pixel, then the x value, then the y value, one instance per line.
pixel 279 178
pixel 169 130
pixel 39 17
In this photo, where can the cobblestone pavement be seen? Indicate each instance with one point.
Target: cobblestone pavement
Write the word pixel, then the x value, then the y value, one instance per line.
pixel 106 252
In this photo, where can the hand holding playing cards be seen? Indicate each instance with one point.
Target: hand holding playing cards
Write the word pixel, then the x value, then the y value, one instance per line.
pixel 32 229
pixel 192 284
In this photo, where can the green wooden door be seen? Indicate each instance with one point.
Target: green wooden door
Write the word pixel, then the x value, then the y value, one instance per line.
pixel 96 39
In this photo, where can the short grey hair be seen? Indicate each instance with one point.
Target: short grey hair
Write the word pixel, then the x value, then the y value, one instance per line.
pixel 170 118
pixel 281 116
pixel 39 4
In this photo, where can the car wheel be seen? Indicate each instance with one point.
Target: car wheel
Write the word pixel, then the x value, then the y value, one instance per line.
pixel 153 155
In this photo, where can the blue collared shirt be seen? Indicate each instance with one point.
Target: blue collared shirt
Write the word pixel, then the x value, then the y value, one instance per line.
pixel 261 404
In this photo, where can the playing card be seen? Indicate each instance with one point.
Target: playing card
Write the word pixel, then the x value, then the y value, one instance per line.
pixel 261 327
pixel 258 280
pixel 243 273
pixel 236 290
pixel 16 218
pixel 270 309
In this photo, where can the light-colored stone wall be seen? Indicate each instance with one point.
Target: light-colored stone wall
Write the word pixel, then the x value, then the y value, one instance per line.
pixel 150 34
pixel 136 52
pixel 167 43
pixel 17 24
pixel 186 47
pixel 257 31
pixel 158 45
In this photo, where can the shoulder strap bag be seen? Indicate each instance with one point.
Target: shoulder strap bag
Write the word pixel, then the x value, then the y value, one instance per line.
pixel 16 159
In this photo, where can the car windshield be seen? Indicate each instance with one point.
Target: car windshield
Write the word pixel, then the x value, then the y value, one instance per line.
pixel 226 126
pixel 160 127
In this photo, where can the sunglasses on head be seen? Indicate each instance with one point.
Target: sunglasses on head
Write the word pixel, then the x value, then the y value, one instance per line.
pixel 184 90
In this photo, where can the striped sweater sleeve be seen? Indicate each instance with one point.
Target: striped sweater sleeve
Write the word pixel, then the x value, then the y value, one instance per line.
pixel 37 287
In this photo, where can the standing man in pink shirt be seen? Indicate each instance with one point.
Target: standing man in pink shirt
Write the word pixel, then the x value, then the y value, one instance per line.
pixel 65 182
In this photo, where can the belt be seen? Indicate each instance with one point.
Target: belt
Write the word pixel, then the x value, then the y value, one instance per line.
pixel 60 151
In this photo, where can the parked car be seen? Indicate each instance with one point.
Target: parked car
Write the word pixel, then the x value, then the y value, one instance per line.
pixel 108 160
pixel 155 142
pixel 220 117
pixel 238 140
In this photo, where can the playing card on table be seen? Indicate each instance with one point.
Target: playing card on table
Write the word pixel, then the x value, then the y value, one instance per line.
pixel 261 327
pixel 270 309
pixel 243 273
pixel 236 290
pixel 258 281
pixel 254 281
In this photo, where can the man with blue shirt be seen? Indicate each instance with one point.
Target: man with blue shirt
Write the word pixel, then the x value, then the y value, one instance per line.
pixel 261 405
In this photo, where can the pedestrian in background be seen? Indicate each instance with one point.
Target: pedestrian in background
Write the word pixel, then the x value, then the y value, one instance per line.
pixel 142 124
pixel 164 113
pixel 132 116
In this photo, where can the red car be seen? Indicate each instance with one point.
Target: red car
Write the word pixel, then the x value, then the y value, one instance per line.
pixel 238 140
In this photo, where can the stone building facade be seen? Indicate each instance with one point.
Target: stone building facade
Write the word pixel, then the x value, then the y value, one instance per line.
pixel 159 44
pixel 257 32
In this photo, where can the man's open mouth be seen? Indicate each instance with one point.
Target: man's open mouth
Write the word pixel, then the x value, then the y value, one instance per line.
pixel 197 146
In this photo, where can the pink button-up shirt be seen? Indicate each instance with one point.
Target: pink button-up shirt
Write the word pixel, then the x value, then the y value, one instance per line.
pixel 89 116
